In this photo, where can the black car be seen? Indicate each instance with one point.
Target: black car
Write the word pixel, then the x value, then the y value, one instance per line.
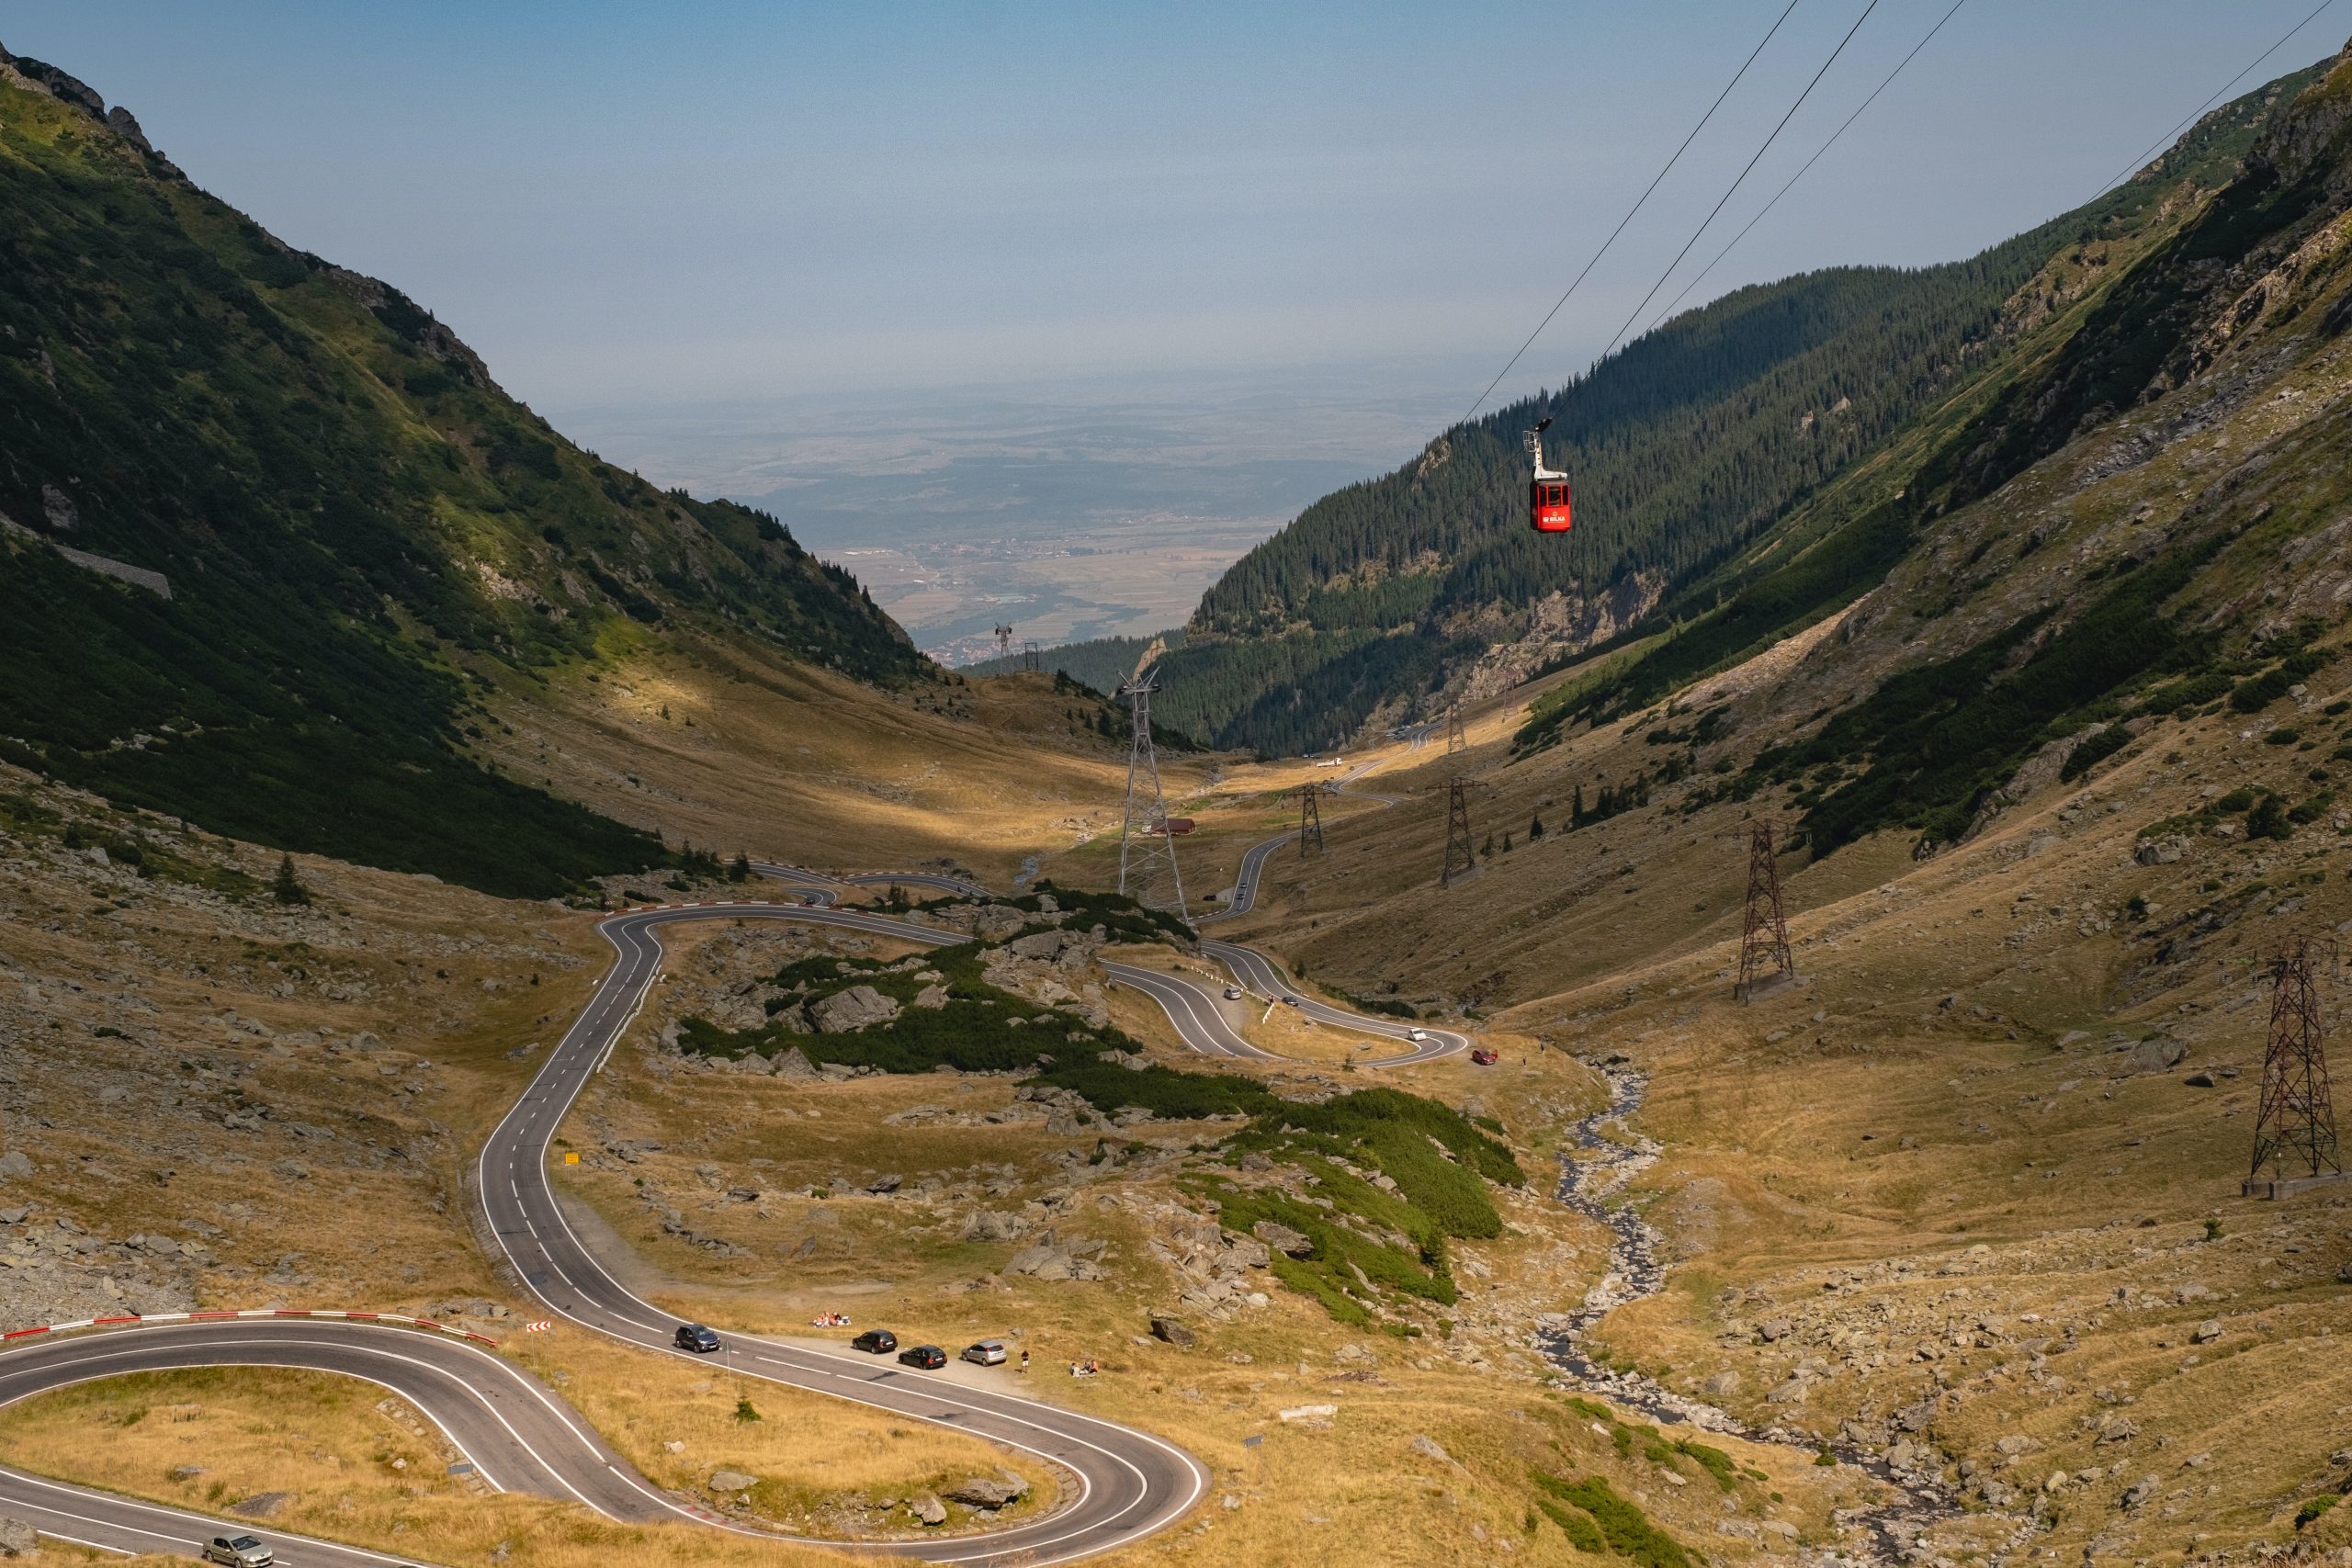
pixel 695 1338
pixel 929 1357
pixel 876 1342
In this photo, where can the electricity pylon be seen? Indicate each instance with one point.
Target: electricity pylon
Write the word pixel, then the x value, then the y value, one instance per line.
pixel 1146 848
pixel 1461 858
pixel 1455 740
pixel 1765 961
pixel 1004 640
pixel 1310 820
pixel 2295 1133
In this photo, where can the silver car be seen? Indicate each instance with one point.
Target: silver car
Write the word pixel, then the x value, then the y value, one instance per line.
pixel 1233 993
pixel 985 1353
pixel 239 1551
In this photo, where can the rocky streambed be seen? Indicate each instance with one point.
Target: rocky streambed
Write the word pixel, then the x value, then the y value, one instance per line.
pixel 1604 1159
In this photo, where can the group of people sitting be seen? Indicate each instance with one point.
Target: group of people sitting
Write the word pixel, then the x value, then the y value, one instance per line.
pixel 829 1320
pixel 1086 1369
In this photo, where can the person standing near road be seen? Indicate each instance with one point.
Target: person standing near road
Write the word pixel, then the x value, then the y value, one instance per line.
pixel 1024 1363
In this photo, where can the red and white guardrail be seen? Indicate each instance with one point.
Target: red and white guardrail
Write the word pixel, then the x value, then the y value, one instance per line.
pixel 130 1319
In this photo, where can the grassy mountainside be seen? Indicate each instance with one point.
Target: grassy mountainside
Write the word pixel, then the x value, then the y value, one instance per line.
pixel 2070 774
pixel 361 532
pixel 1717 432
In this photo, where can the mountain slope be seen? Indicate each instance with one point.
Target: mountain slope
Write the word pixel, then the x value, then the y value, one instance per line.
pixel 358 529
pixel 1700 439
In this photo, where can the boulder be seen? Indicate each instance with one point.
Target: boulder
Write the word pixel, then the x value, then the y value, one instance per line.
pixel 2207 1331
pixel 2156 1056
pixel 14 1165
pixel 932 997
pixel 882 1184
pixel 261 1504
pixel 929 1510
pixel 732 1481
pixel 987 1491
pixel 1283 1240
pixel 794 1064
pixel 1721 1385
pixel 845 1012
pixel 1429 1448
pixel 1773 1329
pixel 1169 1331
pixel 18 1539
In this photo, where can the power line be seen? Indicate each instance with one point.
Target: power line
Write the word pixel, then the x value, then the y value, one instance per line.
pixel 2169 137
pixel 1629 215
pixel 1743 176
pixel 1809 162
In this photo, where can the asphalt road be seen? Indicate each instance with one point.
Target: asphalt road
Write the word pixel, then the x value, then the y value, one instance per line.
pixel 521 1437
pixel 1130 1483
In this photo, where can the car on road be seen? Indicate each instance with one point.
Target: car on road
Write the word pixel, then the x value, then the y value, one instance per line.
pixel 695 1338
pixel 1484 1056
pixel 1233 993
pixel 929 1357
pixel 985 1353
pixel 1290 1001
pixel 876 1342
pixel 1418 1036
pixel 239 1551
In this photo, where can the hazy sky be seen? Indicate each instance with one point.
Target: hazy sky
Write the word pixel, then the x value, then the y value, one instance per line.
pixel 635 205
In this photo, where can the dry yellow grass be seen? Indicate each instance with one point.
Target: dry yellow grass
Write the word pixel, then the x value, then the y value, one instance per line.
pixel 348 1459
pixel 796 763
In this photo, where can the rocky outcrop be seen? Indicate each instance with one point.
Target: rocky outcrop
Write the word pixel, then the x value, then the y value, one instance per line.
pixel 845 1012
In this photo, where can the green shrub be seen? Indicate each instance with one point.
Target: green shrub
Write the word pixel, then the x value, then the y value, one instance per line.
pixel 1625 1529
pixel 2317 1509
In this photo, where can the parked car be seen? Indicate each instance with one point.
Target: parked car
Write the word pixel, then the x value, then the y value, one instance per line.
pixel 1484 1056
pixel 985 1353
pixel 1233 993
pixel 876 1342
pixel 695 1338
pixel 929 1357
pixel 239 1551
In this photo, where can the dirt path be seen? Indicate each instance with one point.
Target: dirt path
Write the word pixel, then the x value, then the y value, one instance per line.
pixel 1898 1529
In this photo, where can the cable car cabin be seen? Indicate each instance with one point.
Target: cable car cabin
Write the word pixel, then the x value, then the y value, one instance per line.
pixel 1549 509
pixel 1548 506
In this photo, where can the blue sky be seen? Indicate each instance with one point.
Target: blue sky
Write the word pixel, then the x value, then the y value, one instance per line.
pixel 648 206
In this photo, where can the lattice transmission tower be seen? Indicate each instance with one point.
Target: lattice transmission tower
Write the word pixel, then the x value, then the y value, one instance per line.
pixel 1146 847
pixel 1457 739
pixel 1033 660
pixel 1311 819
pixel 1765 961
pixel 1461 858
pixel 2295 1133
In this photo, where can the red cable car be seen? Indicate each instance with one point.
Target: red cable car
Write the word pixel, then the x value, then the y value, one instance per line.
pixel 1549 507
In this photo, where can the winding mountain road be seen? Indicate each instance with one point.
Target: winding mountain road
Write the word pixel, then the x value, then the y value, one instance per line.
pixel 519 1436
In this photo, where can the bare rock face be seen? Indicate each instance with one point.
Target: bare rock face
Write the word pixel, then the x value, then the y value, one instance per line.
pixel 58 510
pixel 845 1012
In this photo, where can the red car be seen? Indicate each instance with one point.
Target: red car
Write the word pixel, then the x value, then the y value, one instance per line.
pixel 1484 1058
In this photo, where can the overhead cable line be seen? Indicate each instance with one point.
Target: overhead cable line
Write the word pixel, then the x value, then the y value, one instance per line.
pixel 1809 162
pixel 1742 179
pixel 1630 212
pixel 2169 137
